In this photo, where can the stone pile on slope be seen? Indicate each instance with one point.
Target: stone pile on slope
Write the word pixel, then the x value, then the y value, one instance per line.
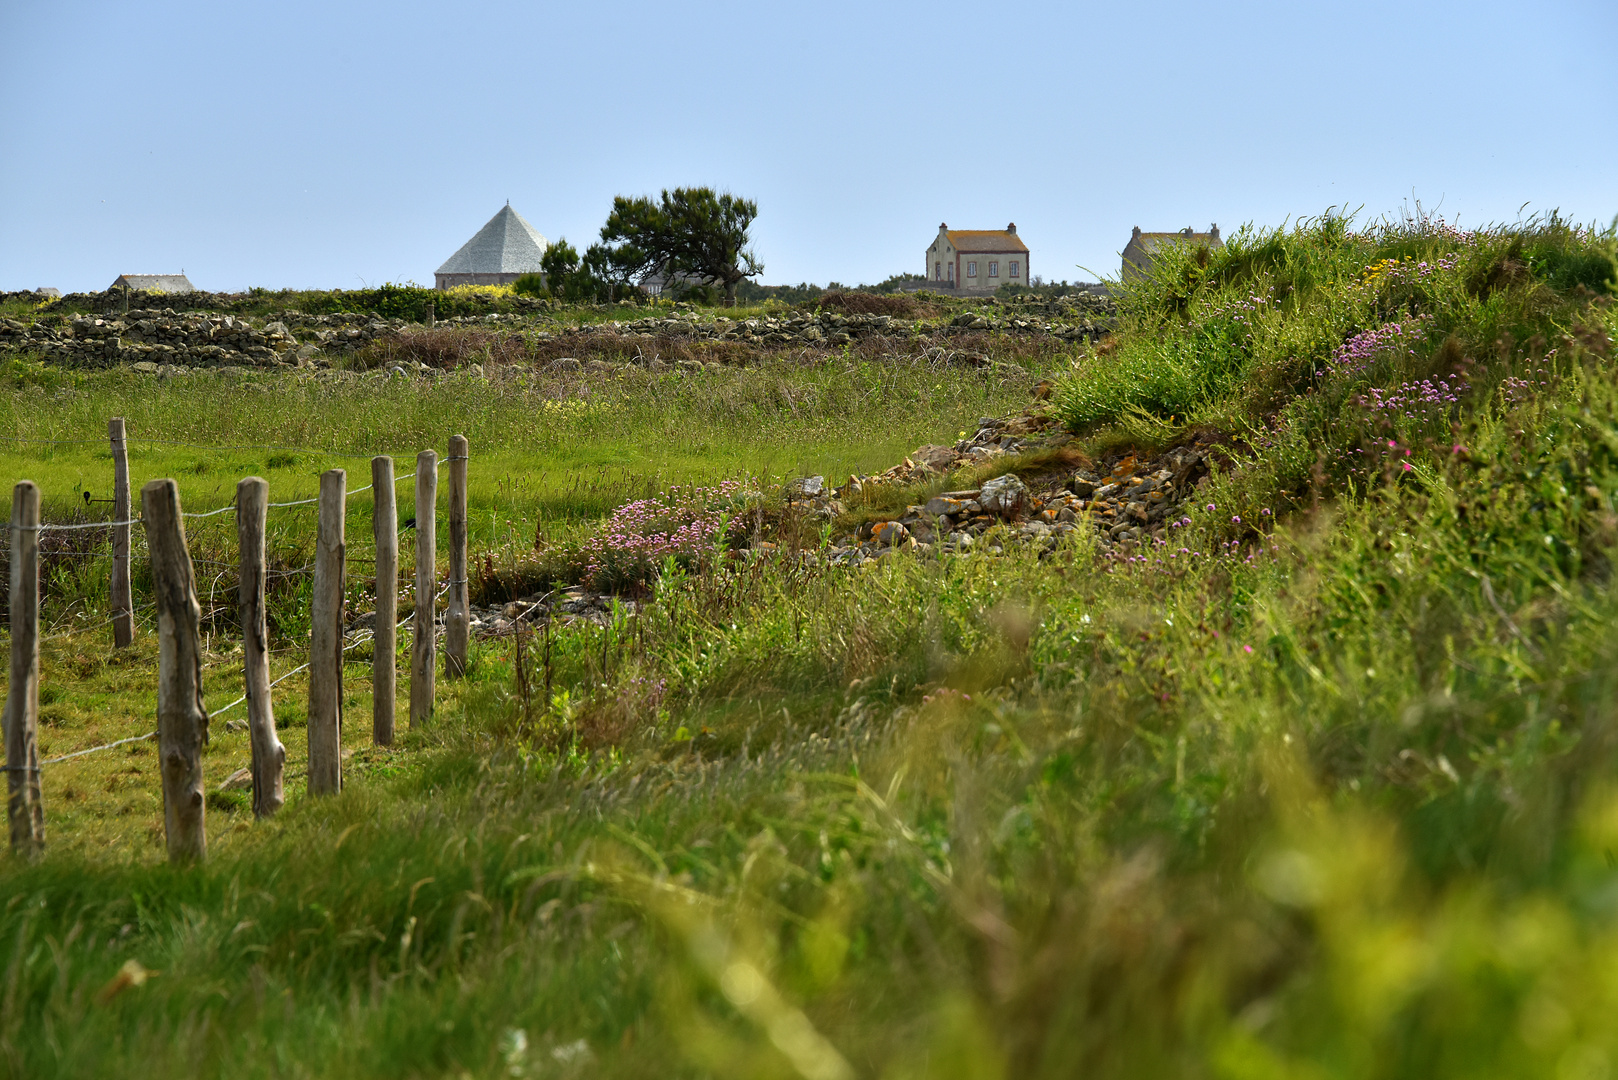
pixel 1132 503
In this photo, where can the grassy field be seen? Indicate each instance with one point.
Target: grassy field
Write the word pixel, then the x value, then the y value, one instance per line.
pixel 1319 783
pixel 550 457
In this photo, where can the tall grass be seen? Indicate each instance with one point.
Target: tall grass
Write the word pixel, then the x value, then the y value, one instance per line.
pixel 1321 785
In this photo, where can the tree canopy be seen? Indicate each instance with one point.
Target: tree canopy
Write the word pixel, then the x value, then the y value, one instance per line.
pixel 694 232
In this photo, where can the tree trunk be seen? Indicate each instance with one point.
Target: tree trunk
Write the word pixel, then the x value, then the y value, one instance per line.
pixel 123 613
pixel 424 638
pixel 326 640
pixel 269 756
pixel 457 619
pixel 384 646
pixel 26 805
pixel 182 718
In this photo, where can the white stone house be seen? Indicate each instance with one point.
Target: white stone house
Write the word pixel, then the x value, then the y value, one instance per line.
pixel 1141 251
pixel 977 260
pixel 501 252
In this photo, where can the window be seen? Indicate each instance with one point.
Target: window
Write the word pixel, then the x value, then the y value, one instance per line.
pixel 971 269
pixel 951 268
pixel 1012 269
pixel 938 271
pixel 994 269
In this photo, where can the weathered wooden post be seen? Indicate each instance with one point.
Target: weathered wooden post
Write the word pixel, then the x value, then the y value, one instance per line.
pixel 385 645
pixel 457 620
pixel 326 641
pixel 123 607
pixel 25 803
pixel 269 756
pixel 423 640
pixel 182 719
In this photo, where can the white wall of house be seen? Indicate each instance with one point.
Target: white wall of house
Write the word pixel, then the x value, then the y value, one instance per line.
pixel 941 258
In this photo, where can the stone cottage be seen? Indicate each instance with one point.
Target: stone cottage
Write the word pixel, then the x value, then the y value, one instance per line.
pixel 168 283
pixel 977 260
pixel 502 251
pixel 1143 247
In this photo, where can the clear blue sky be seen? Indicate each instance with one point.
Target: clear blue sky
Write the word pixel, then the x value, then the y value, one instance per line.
pixel 338 143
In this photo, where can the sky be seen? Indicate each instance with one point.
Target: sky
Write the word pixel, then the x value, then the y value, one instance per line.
pixel 341 144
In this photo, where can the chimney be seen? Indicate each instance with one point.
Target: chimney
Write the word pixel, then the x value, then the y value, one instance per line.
pixel 1012 228
pixel 1213 231
pixel 1136 234
pixel 943 227
pixel 1188 232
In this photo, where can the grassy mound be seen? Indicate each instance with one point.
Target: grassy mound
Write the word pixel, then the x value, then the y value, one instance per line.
pixel 1318 782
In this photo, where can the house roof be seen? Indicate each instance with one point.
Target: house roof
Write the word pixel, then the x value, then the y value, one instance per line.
pixel 170 283
pixel 986 241
pixel 506 245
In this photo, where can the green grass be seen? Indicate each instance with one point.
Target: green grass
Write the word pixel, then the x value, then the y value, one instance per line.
pixel 1322 786
pixel 550 454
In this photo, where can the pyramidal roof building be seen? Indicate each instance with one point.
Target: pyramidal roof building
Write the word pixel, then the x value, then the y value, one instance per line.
pixel 501 252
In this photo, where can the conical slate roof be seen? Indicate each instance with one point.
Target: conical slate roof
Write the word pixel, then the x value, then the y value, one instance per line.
pixel 506 245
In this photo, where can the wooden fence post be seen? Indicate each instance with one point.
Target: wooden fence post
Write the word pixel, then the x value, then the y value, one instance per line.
pixel 269 756
pixel 326 641
pixel 182 719
pixel 25 804
pixel 123 613
pixel 385 645
pixel 423 641
pixel 457 620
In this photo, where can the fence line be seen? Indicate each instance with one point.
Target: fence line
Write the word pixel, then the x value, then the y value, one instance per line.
pixel 191 446
pixel 182 720
pixel 46 527
pixel 356 643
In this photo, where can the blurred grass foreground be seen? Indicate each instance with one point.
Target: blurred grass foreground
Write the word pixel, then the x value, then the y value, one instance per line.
pixel 1319 784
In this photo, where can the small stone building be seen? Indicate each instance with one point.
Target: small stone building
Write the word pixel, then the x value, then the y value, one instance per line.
pixel 977 260
pixel 502 251
pixel 1143 247
pixel 167 283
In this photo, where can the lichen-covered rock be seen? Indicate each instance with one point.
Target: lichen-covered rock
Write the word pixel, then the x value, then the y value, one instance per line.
pixel 888 533
pixel 1005 496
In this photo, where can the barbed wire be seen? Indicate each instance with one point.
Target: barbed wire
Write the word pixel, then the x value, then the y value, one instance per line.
pixel 47 527
pixel 129 439
pixel 368 635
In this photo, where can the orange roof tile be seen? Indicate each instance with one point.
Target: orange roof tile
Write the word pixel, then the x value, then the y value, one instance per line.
pixel 986 241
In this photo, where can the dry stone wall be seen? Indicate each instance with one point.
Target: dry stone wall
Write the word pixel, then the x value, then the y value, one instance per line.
pixel 149 339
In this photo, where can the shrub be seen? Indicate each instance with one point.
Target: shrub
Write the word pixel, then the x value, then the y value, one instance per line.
pixel 862 303
pixel 682 524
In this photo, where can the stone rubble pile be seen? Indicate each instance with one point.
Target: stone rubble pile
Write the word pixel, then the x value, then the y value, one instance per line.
pixel 1131 504
pixel 564 607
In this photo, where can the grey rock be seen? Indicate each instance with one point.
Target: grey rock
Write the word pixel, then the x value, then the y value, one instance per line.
pixel 940 505
pixel 240 780
pixel 1005 496
pixel 1081 487
pixel 808 487
pixel 888 533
